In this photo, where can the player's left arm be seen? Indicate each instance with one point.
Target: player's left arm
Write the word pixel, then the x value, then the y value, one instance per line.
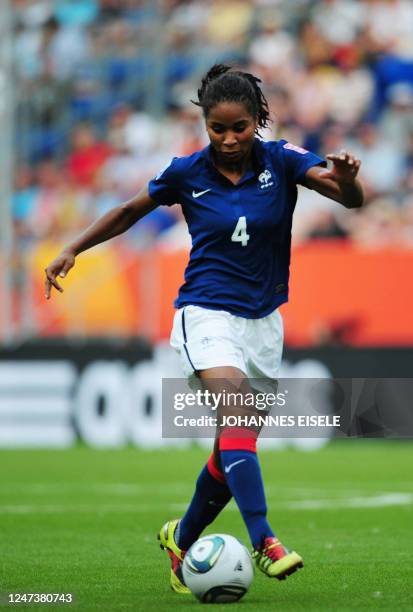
pixel 340 182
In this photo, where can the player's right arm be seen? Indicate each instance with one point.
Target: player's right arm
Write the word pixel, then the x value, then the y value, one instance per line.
pixel 113 223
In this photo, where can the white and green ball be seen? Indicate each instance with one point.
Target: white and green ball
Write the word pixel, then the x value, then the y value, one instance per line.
pixel 218 569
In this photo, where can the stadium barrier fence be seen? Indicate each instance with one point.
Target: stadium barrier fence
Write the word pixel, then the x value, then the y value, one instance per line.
pixel 108 392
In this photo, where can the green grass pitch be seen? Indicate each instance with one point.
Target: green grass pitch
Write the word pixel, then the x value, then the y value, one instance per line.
pixel 85 521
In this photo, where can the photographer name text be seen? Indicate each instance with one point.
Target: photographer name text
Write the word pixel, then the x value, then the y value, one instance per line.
pixel 283 420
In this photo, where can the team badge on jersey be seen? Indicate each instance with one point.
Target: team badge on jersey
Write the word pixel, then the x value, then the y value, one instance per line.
pixel 265 179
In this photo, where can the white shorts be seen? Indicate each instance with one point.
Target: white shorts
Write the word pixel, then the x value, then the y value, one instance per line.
pixel 207 338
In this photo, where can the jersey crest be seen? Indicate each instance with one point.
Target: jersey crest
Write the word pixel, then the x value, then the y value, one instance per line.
pixel 265 179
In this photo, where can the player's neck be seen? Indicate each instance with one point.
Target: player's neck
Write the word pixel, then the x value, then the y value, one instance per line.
pixel 233 171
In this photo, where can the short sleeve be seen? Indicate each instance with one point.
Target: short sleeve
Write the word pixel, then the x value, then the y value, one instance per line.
pixel 164 188
pixel 299 160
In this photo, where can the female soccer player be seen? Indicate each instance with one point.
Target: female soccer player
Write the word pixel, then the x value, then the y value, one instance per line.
pixel 238 196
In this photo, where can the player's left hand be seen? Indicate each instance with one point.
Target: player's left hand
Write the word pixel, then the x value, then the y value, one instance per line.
pixel 345 167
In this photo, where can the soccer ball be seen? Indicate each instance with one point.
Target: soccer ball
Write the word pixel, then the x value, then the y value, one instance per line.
pixel 218 569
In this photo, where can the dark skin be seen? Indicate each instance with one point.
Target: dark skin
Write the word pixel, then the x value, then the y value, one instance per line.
pixel 231 129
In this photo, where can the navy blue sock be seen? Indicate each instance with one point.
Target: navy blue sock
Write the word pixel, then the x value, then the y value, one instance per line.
pixel 210 497
pixel 243 476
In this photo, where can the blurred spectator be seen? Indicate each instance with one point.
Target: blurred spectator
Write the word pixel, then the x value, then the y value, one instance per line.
pixel 351 87
pixel 397 119
pixel 272 47
pixel 24 201
pixel 86 157
pixel 105 194
pixel 317 217
pixel 65 49
pixel 125 172
pixel 32 13
pixel 336 76
pixel 382 167
pixel 141 133
pixel 27 52
pixel 339 20
pixel 398 38
pixel 407 222
pixel 76 12
pixel 229 21
pixel 183 132
pixel 378 225
pixel 45 207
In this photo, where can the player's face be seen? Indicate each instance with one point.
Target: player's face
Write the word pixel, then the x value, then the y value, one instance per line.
pixel 231 130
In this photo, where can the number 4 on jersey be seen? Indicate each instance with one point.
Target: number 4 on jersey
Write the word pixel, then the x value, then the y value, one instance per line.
pixel 240 232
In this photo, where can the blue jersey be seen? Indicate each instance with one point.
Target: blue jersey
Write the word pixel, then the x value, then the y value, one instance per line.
pixel 241 234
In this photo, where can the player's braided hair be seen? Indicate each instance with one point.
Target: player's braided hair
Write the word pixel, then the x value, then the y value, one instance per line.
pixel 222 84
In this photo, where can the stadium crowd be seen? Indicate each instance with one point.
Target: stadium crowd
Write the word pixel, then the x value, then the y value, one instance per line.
pixel 103 91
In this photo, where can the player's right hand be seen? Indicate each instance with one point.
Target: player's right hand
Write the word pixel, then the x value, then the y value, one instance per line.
pixel 59 267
